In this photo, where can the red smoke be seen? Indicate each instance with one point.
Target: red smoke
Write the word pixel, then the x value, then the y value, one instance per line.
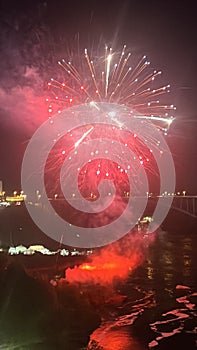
pixel 112 263
pixel 23 105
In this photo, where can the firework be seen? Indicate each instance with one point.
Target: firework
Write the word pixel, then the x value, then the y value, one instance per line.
pixel 95 156
pixel 112 78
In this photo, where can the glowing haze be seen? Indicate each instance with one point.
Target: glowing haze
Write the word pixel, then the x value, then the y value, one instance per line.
pixel 87 166
pixel 112 263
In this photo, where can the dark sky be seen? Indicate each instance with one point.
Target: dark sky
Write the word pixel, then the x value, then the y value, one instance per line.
pixel 34 34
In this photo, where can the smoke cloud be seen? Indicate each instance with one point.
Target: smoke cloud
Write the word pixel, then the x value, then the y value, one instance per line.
pixel 112 263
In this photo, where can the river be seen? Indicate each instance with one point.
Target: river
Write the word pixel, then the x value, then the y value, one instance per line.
pixel 154 306
pixel 164 315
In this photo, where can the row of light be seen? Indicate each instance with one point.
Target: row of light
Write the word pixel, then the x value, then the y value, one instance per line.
pixel 180 193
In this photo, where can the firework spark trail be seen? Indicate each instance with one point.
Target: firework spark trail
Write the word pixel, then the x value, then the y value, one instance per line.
pixel 83 137
pixel 117 83
pixel 109 57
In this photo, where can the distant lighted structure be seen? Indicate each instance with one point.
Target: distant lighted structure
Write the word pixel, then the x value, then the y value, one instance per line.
pixel 7 200
pixel 16 198
pixel 3 202
pixel 1 187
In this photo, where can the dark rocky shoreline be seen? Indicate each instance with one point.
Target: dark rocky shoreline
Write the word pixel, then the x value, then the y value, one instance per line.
pixel 36 315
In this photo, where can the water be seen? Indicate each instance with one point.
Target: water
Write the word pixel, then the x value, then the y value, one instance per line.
pixel 164 315
pixel 155 308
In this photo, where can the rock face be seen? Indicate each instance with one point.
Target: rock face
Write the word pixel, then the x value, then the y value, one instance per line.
pixel 36 315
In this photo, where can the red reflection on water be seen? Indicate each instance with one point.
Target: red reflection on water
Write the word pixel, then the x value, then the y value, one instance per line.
pixel 114 339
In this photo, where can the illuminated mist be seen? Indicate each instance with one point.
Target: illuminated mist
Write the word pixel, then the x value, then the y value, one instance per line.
pixel 113 263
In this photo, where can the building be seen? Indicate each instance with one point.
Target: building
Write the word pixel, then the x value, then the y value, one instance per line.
pixel 2 195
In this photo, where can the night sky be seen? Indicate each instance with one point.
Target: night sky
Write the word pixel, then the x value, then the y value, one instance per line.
pixel 35 34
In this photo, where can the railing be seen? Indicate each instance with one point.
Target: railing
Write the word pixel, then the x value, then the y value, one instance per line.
pixel 186 205
pixel 182 203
